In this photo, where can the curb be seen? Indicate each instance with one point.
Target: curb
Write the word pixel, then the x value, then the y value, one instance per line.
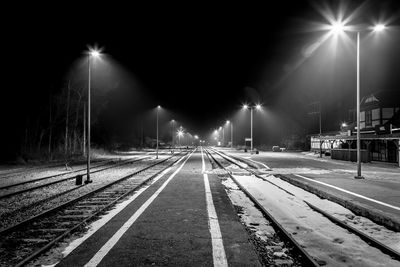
pixel 357 208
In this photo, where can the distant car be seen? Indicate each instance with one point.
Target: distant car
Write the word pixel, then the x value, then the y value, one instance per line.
pixel 276 149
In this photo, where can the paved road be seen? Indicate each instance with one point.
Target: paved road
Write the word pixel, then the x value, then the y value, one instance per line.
pixel 185 218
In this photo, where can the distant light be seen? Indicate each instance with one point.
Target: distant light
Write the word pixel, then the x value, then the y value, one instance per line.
pixel 220 128
pixel 337 27
pixel 379 27
pixel 245 106
pixel 227 122
pixel 258 106
pixel 180 133
pixel 344 124
pixel 94 53
pixel 196 137
pixel 215 131
pixel 158 106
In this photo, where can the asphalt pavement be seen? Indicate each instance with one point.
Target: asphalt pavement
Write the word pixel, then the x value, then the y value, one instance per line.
pixel 169 224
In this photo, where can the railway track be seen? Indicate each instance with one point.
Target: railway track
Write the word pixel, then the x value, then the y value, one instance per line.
pixel 301 255
pixel 26 170
pixel 23 242
pixel 19 207
pixel 219 159
pixel 38 183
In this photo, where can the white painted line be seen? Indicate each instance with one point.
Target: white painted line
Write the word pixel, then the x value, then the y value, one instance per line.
pixel 219 257
pixel 98 257
pixel 100 223
pixel 105 219
pixel 349 192
pixel 203 169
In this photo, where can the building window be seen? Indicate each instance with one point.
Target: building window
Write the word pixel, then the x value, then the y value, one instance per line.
pixel 376 114
pixel 368 118
pixel 387 113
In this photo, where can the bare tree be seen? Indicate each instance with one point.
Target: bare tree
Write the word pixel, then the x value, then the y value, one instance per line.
pixel 67 118
pixel 50 126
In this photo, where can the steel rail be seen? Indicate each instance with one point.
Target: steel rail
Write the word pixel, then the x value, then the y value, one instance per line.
pixel 368 239
pixel 40 251
pixel 305 258
pixel 65 179
pixel 59 207
pixel 18 171
pixel 50 176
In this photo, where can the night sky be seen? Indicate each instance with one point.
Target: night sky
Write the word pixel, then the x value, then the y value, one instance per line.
pixel 199 62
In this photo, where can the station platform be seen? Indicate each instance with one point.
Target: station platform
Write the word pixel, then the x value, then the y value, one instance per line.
pixel 172 223
pixel 376 197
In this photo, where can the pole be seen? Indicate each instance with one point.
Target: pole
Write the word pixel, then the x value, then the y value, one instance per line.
pixel 84 128
pixel 88 127
pixel 320 132
pixel 358 111
pixel 157 134
pixel 223 135
pixel 251 128
pixel 172 134
pixel 232 135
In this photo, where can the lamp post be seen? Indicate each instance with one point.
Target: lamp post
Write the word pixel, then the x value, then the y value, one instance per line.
pixel 223 134
pixel 158 108
pixel 340 28
pixel 229 122
pixel 257 106
pixel 92 53
pixel 180 133
pixel 172 133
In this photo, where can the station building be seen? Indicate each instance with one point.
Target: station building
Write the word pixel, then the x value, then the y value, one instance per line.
pixel 379 132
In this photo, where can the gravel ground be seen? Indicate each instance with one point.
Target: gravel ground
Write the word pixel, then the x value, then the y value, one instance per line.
pixel 31 173
pixel 17 203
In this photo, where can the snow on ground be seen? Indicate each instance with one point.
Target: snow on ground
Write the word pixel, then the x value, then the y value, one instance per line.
pixel 300 170
pixel 321 238
pixel 381 233
pixel 53 257
pixel 251 215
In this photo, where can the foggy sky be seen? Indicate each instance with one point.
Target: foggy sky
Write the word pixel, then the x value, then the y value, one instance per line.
pixel 199 62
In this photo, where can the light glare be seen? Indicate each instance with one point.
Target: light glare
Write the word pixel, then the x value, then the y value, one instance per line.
pixel 94 53
pixel 379 27
pixel 337 27
pixel 258 106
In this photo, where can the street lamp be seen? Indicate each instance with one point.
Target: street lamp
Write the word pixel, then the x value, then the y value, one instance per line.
pixel 93 53
pixel 158 108
pixel 338 28
pixel 223 135
pixel 180 134
pixel 258 107
pixel 231 123
pixel 172 133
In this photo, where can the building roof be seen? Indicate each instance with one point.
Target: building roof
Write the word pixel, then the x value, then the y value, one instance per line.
pixel 382 98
